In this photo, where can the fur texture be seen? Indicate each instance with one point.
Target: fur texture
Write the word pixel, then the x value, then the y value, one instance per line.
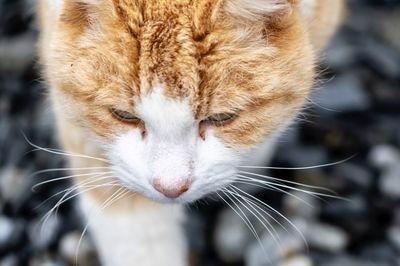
pixel 173 66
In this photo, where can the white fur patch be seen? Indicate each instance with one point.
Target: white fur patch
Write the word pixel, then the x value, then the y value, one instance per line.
pixel 307 8
pixel 146 235
pixel 253 9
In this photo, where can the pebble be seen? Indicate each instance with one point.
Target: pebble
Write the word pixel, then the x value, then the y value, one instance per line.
pixel 69 246
pixel 301 204
pixel 326 237
pixel 297 261
pixel 43 233
pixel 231 236
pixel 295 155
pixel 10 260
pixel 394 236
pixel 14 186
pixel 6 230
pixel 360 176
pixel 389 182
pixel 341 94
pixel 11 232
pixel 345 260
pixel 384 156
pixel 271 251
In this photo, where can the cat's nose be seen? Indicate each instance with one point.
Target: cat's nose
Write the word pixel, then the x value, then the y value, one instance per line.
pixel 172 191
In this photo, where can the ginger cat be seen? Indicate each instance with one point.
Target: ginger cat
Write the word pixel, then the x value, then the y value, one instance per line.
pixel 160 101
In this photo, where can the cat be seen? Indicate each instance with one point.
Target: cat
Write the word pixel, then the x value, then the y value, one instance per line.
pixel 158 102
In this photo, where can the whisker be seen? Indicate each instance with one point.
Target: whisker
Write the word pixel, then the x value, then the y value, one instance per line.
pixel 317 195
pixel 271 187
pixel 300 168
pixel 288 182
pixel 98 174
pixel 67 169
pixel 270 229
pixel 75 187
pixel 243 218
pixel 238 190
pixel 263 210
pixel 61 152
pixel 65 199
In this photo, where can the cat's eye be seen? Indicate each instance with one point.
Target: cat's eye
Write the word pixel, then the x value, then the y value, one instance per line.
pixel 220 119
pixel 124 116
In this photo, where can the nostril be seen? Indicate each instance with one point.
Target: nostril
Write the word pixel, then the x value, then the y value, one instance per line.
pixel 171 190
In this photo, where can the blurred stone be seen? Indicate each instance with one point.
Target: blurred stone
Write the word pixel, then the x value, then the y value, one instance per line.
pixel 384 156
pixel 83 253
pixel 297 261
pixel 231 236
pixel 326 237
pixel 394 236
pixel 10 260
pixel 7 229
pixel 47 260
pixel 273 250
pixel 357 175
pixel 379 252
pixel 304 155
pixel 11 232
pixel 196 232
pixel 341 94
pixel 14 186
pixel 389 183
pixel 301 204
pixel 345 260
pixel 43 233
pixel 17 53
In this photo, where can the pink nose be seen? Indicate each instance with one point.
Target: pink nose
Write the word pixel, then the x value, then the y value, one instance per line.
pixel 171 191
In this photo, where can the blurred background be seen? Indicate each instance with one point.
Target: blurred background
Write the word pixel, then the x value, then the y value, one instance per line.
pixel 354 111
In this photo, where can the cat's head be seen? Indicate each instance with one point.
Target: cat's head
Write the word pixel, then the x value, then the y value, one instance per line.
pixel 178 92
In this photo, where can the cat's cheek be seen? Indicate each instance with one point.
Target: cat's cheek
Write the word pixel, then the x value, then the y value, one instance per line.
pixel 126 152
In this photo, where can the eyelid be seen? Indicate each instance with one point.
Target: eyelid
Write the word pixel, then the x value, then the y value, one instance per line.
pixel 221 119
pixel 124 116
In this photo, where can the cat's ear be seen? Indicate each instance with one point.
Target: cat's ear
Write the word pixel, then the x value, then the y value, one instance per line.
pixel 255 10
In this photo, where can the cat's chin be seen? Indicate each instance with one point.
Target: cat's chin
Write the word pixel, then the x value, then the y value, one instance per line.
pixel 185 198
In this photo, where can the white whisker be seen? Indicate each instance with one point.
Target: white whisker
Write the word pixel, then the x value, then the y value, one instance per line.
pixel 64 153
pixel 98 174
pixel 288 182
pixel 299 168
pixel 238 190
pixel 271 187
pixel 270 229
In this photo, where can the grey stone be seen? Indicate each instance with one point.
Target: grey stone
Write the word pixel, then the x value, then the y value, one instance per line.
pixel 69 245
pixel 394 236
pixel 273 250
pixel 326 237
pixel 10 260
pixel 344 93
pixel 345 260
pixel 14 186
pixel 356 174
pixel 384 156
pixel 389 183
pixel 304 155
pixel 301 204
pixel 42 233
pixel 231 236
pixel 7 229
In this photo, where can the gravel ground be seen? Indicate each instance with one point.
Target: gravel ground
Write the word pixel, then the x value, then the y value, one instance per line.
pixel 355 113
